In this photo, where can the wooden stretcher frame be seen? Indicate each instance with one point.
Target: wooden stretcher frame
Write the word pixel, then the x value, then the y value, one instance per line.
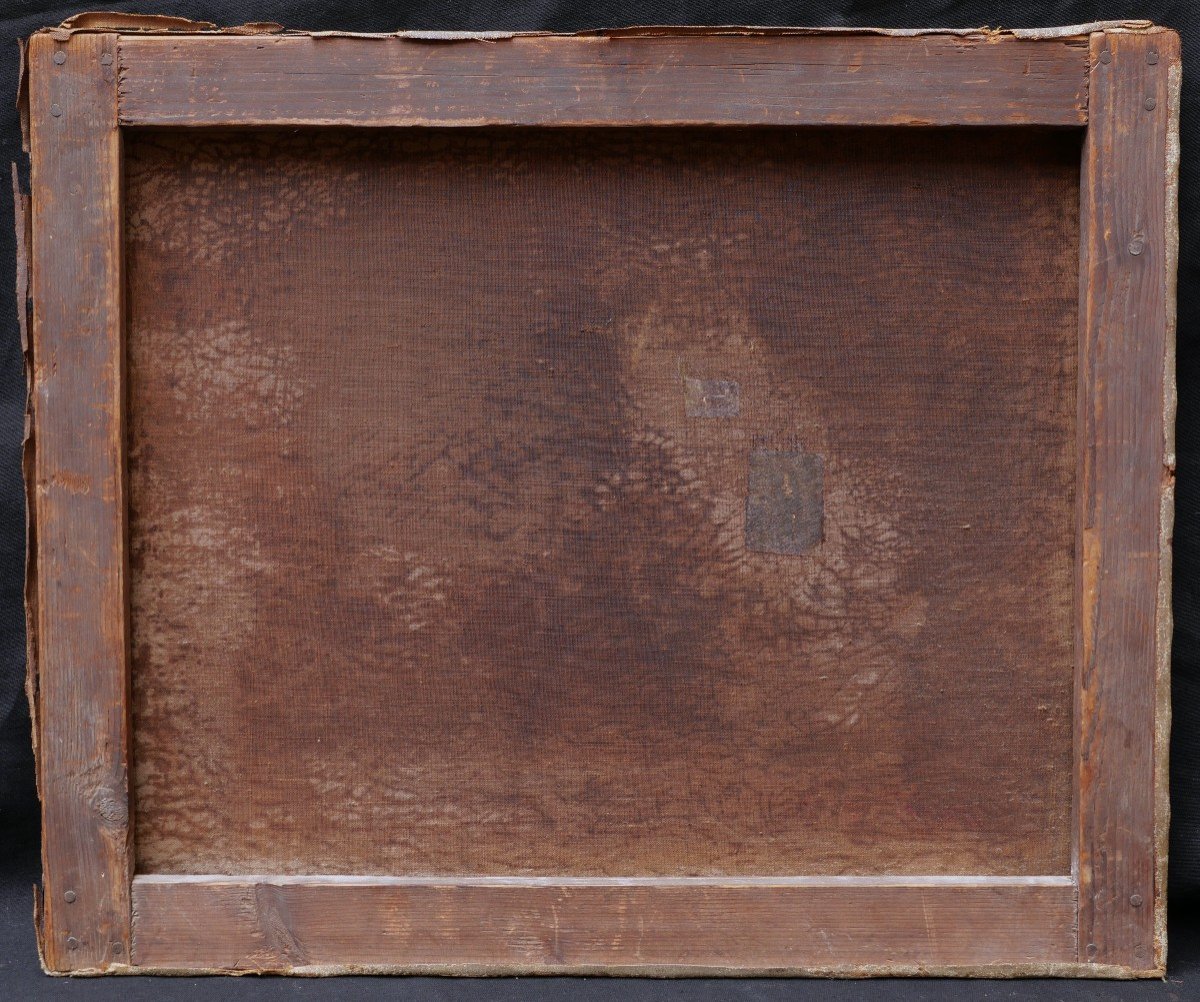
pixel 98 75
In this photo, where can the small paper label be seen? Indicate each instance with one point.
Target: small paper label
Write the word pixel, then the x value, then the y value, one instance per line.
pixel 711 398
pixel 785 502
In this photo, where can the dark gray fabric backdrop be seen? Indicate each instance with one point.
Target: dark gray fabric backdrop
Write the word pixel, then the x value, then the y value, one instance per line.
pixel 18 808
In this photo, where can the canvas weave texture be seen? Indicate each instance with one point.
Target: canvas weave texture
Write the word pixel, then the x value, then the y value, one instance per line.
pixel 441 563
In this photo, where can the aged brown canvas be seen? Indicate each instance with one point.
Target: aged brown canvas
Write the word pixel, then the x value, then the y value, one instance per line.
pixel 433 573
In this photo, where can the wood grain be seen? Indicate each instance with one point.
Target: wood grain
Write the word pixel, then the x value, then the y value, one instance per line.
pixel 493 531
pixel 23 211
pixel 696 80
pixel 82 684
pixel 1127 474
pixel 316 925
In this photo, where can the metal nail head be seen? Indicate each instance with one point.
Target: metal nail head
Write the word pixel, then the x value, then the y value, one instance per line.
pixel 60 57
pixel 1150 103
pixel 72 943
pixel 55 110
pixel 106 59
pixel 1137 245
pixel 1152 57
pixel 69 897
pixel 1105 56
pixel 1135 900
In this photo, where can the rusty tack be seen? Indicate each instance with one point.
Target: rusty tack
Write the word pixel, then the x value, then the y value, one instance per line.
pixel 72 943
pixel 69 897
pixel 1150 104
pixel 1152 57
pixel 1135 900
pixel 1105 56
pixel 60 58
pixel 1137 245
pixel 55 110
